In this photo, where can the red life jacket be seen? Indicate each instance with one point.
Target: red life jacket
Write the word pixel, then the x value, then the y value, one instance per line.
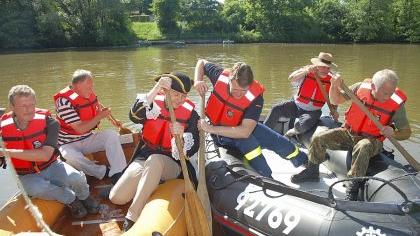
pixel 33 137
pixel 223 109
pixel 306 90
pixel 360 124
pixel 156 133
pixel 86 108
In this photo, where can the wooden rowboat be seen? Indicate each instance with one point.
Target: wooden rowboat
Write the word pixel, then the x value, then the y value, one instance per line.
pixel 164 212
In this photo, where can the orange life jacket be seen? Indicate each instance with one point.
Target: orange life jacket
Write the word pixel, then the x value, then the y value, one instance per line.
pixel 86 108
pixel 33 137
pixel 309 85
pixel 223 109
pixel 360 124
pixel 156 133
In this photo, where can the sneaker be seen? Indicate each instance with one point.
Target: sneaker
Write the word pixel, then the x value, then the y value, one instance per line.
pixel 127 224
pixel 115 177
pixel 77 209
pixel 91 205
pixel 290 133
pixel 310 174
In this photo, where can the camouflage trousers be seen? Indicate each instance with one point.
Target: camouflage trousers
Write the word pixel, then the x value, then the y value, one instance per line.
pixel 341 139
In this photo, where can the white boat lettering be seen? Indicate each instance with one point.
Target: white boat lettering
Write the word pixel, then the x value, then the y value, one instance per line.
pixel 275 217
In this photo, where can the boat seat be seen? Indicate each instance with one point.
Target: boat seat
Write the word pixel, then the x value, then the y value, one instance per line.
pixel 14 221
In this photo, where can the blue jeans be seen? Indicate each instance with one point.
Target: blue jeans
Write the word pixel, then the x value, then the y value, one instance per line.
pixel 59 181
pixel 264 138
pixel 306 119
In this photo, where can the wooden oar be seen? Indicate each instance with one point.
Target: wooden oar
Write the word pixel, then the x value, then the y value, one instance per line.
pixel 400 148
pixel 117 123
pixel 121 128
pixel 202 186
pixel 195 217
pixel 325 94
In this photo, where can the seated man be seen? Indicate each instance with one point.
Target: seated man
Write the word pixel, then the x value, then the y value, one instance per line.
pixel 307 103
pixel 158 159
pixel 30 136
pixel 79 112
pixel 382 97
pixel 234 108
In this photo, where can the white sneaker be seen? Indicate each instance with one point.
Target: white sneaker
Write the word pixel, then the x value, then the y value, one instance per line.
pixel 290 133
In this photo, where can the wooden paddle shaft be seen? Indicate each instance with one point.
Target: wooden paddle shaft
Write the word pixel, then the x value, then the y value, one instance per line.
pixel 202 186
pixel 180 146
pixel 400 148
pixel 324 92
pixel 196 220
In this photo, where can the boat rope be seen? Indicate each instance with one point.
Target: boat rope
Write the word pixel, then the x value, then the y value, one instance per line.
pixel 32 208
pixel 365 178
pixel 391 180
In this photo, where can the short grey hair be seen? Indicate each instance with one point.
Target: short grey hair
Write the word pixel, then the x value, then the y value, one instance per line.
pixel 80 75
pixel 385 76
pixel 20 90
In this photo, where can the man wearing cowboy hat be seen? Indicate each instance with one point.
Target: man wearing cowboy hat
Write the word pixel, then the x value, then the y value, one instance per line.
pixel 307 103
pixel 386 101
pixel 158 158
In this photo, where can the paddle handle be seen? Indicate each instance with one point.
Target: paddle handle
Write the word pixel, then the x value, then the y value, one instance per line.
pixel 400 148
pixel 324 93
pixel 179 145
pixel 201 154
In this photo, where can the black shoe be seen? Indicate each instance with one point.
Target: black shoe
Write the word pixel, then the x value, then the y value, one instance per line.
pixel 91 205
pixel 114 178
pixel 311 173
pixel 127 224
pixel 77 209
pixel 352 190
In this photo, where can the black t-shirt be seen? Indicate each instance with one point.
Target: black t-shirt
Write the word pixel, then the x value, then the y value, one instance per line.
pixel 253 112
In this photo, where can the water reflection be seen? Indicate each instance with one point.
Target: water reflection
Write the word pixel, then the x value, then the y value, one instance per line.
pixel 120 74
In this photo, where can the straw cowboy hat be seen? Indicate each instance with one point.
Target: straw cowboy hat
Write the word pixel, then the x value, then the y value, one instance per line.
pixel 323 59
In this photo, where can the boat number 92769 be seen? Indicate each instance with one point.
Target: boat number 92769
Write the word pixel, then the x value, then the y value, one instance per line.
pixel 275 216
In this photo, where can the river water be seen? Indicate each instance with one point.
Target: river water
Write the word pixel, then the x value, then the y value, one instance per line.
pixel 122 73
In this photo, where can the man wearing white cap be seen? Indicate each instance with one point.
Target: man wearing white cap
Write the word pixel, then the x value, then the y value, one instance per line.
pixel 307 103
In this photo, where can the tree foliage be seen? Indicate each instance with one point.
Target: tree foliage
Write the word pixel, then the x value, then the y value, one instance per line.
pixel 61 23
pixel 166 15
pixel 202 16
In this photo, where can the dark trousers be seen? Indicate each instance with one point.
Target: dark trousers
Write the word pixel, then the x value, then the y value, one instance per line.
pixel 263 137
pixel 306 119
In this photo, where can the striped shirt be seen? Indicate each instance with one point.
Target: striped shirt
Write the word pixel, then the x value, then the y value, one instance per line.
pixel 66 112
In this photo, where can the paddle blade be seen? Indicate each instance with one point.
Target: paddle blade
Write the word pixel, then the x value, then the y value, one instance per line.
pixel 195 217
pixel 123 130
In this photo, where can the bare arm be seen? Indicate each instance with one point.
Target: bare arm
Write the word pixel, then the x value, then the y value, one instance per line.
pixel 41 154
pixel 85 126
pixel 336 97
pixel 242 131
pixel 199 84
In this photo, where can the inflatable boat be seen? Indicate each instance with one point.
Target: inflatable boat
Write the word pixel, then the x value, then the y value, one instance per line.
pixel 245 203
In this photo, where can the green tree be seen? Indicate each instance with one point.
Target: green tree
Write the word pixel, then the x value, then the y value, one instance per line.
pixel 95 23
pixel 370 20
pixel 234 11
pixel 282 20
pixel 407 19
pixel 17 21
pixel 166 15
pixel 331 15
pixel 202 16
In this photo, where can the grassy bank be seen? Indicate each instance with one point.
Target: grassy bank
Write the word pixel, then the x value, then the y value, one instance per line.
pixel 150 31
